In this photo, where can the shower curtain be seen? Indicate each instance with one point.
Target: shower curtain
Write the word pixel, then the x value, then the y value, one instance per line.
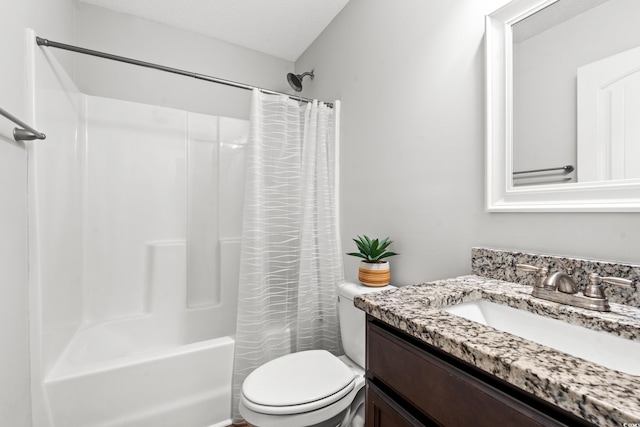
pixel 291 260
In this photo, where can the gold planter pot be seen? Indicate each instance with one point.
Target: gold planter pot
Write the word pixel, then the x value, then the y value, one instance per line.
pixel 374 273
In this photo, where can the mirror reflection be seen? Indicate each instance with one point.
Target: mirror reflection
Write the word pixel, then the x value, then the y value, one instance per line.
pixel 576 93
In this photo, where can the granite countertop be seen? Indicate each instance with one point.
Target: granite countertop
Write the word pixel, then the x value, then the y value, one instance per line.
pixel 600 395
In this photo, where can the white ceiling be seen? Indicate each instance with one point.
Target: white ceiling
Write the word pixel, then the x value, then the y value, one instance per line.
pixel 281 28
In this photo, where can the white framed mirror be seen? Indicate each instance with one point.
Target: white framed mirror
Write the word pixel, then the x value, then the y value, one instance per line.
pixel 548 145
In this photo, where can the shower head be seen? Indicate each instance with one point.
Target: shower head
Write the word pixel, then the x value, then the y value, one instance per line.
pixel 295 80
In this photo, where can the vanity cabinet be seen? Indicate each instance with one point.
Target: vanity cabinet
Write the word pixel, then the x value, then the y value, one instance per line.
pixel 410 383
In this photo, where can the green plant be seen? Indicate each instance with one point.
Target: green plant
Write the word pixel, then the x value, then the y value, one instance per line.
pixel 372 250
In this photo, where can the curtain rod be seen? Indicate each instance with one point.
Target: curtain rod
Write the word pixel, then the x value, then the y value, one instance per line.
pixel 49 43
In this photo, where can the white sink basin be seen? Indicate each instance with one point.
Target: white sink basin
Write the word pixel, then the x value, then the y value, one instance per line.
pixel 599 347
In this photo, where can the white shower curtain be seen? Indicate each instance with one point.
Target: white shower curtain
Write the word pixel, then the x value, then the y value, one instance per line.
pixel 291 260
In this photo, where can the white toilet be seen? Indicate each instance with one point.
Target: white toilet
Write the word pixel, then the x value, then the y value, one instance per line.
pixel 313 388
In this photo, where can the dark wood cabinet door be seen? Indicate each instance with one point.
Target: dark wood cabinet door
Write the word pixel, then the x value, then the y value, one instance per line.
pixel 384 412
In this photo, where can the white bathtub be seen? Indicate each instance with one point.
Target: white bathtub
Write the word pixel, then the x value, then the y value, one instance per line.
pixel 187 385
pixel 169 367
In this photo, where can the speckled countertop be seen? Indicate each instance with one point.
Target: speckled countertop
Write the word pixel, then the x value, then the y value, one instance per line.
pixel 600 395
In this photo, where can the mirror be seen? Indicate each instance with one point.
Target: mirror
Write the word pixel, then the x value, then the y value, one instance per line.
pixel 563 97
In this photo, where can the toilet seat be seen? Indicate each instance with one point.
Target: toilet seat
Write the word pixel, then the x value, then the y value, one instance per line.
pixel 298 382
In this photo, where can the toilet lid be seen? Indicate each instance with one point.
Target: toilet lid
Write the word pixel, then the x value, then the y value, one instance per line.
pixel 298 382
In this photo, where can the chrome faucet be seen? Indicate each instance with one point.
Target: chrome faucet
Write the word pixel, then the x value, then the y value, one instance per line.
pixel 561 288
pixel 562 282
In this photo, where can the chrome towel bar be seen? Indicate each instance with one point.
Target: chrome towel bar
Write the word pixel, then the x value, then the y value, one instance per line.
pixel 564 169
pixel 24 132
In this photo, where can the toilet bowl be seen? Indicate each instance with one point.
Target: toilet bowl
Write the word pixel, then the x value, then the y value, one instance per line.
pixel 313 388
pixel 308 388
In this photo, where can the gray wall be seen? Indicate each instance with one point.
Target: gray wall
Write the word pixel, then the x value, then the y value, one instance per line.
pixel 411 81
pixel 51 18
pixel 126 35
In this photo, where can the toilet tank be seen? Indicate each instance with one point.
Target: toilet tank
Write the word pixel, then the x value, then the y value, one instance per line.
pixel 352 320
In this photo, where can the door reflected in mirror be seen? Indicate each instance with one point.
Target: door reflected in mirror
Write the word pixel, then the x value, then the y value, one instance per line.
pixel 576 93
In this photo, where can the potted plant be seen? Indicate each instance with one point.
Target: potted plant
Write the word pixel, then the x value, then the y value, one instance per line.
pixel 374 269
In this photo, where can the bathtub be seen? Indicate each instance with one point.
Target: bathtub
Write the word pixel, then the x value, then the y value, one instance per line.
pixel 170 366
pixel 102 382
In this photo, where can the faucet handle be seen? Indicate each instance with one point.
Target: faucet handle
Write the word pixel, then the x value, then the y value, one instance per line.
pixel 527 268
pixel 618 281
pixel 594 290
pixel 541 272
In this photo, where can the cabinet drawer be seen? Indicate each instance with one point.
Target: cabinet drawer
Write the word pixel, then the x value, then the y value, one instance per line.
pixel 382 411
pixel 441 391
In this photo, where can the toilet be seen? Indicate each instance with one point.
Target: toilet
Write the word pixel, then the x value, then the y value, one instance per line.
pixel 313 388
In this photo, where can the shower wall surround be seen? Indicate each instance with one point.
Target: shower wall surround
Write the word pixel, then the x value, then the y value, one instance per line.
pixel 501 265
pixel 55 220
pixel 152 178
pixel 135 214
